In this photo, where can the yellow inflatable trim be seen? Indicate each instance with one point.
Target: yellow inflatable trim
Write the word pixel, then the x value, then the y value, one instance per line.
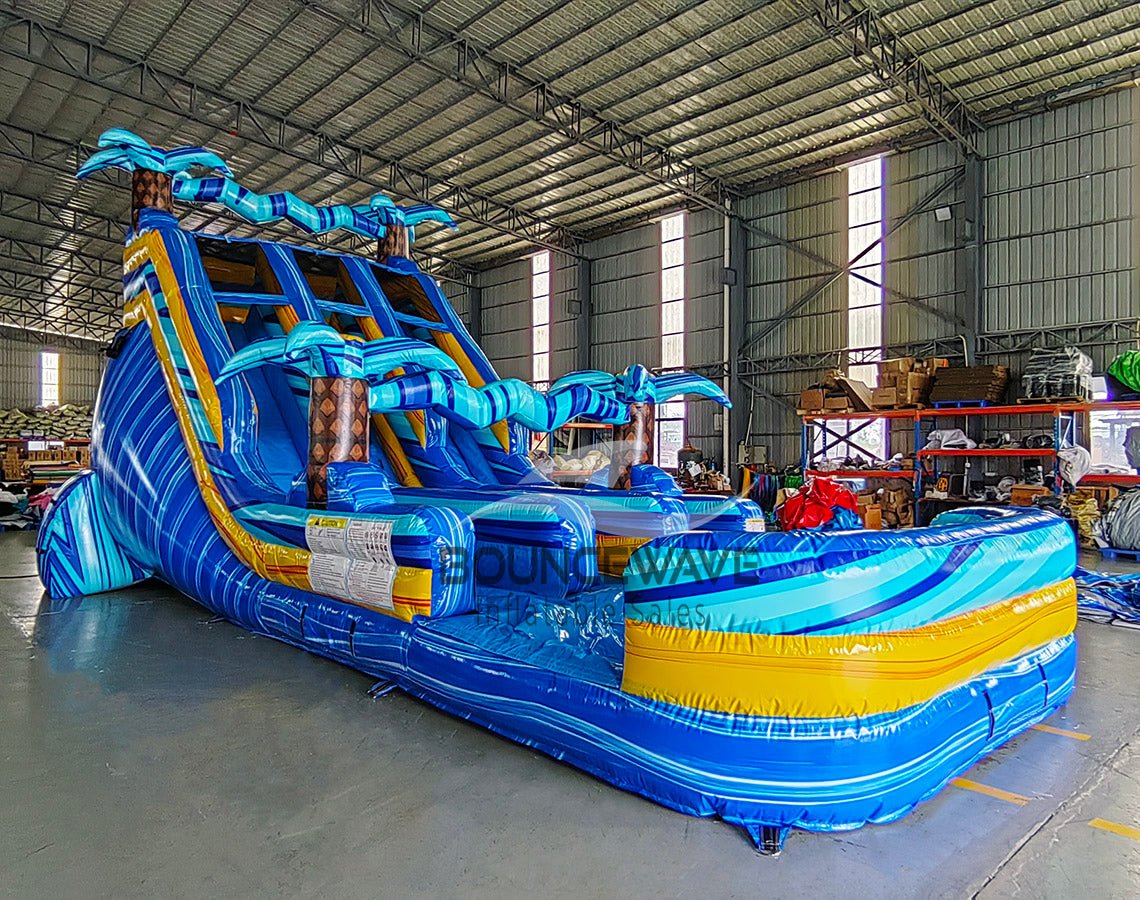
pixel 820 676
pixel 614 552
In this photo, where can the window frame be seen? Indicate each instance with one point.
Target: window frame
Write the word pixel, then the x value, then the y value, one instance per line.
pixel 672 255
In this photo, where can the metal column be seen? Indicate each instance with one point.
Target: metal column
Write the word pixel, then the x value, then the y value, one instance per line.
pixel 973 254
pixel 475 310
pixel 735 278
pixel 584 330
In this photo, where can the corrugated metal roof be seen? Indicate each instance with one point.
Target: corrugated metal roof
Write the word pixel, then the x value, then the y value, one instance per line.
pixel 538 108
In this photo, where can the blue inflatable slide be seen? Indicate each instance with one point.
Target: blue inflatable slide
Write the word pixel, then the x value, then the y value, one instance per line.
pixel 311 445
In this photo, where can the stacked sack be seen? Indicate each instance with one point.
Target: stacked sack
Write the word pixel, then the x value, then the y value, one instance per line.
pixel 67 422
pixel 1058 374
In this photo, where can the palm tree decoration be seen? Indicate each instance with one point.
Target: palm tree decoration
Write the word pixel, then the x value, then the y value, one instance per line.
pixel 638 385
pixel 339 372
pixel 399 224
pixel 152 169
pixel 507 398
pixel 376 219
pixel 637 388
pixel 158 177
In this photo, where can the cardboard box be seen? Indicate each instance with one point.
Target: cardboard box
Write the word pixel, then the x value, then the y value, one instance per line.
pixel 857 392
pixel 903 365
pixel 872 517
pixel 836 404
pixel 1023 494
pixel 884 398
pixel 811 399
pixel 917 388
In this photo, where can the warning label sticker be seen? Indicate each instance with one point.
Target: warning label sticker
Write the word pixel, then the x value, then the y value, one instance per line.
pixel 343 536
pixel 370 539
pixel 325 534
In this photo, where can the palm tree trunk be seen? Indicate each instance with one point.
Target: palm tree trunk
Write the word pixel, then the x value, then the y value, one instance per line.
pixel 633 444
pixel 150 190
pixel 338 430
pixel 394 243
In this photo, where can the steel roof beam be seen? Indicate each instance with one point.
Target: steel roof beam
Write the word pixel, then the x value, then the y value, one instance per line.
pixel 887 58
pixel 578 64
pixel 138 79
pixel 453 56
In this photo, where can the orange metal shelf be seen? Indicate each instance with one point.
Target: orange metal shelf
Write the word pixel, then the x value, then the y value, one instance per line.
pixel 871 414
pixel 1017 409
pixel 1105 478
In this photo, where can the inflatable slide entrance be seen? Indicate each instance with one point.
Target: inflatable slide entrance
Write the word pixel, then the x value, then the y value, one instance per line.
pixel 311 445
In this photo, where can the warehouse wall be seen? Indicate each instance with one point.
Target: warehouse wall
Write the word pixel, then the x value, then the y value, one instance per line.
pixel 20 387
pixel 1062 247
pixel 812 215
pixel 1062 191
pixel 626 293
pixel 704 322
pixel 457 296
pixel 506 318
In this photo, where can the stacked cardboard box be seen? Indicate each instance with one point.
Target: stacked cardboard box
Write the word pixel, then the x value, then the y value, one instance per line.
pixel 974 384
pixel 898 507
pixel 1023 494
pixel 906 383
pixel 870 511
pixel 835 393
pixel 18 460
pixel 13 463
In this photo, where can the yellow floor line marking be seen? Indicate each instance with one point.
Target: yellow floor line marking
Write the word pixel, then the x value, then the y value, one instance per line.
pixel 1125 830
pixel 1075 735
pixel 996 793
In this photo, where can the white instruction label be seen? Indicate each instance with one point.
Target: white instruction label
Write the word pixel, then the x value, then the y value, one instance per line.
pixel 328 574
pixel 754 524
pixel 351 559
pixel 362 581
pixel 370 583
pixel 370 539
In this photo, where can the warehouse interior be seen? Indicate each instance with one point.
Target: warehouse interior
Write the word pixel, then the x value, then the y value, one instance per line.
pixel 902 238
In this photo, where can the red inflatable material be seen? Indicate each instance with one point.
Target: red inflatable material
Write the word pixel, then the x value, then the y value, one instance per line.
pixel 815 503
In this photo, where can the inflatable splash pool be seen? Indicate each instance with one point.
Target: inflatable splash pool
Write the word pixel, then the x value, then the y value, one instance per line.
pixel 311 445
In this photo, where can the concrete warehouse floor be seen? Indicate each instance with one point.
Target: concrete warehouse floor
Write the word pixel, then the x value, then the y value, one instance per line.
pixel 149 751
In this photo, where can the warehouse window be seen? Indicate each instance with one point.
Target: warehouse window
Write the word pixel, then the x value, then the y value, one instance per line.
pixel 49 379
pixel 540 319
pixel 865 294
pixel 865 280
pixel 671 416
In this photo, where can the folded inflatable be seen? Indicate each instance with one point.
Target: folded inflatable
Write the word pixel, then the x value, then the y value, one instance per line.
pixel 311 445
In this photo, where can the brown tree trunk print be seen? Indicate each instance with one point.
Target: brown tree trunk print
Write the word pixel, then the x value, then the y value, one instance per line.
pixel 150 190
pixel 633 444
pixel 338 430
pixel 394 243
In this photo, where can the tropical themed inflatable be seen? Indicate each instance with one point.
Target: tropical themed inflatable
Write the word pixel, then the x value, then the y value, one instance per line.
pixel 311 445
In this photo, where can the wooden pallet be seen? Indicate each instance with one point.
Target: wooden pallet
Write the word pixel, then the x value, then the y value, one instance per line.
pixel 1024 400
pixel 1115 553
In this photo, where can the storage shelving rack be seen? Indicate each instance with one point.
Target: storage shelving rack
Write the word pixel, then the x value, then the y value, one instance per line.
pixel 1070 425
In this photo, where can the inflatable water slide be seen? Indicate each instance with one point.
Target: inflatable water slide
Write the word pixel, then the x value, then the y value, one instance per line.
pixel 311 445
